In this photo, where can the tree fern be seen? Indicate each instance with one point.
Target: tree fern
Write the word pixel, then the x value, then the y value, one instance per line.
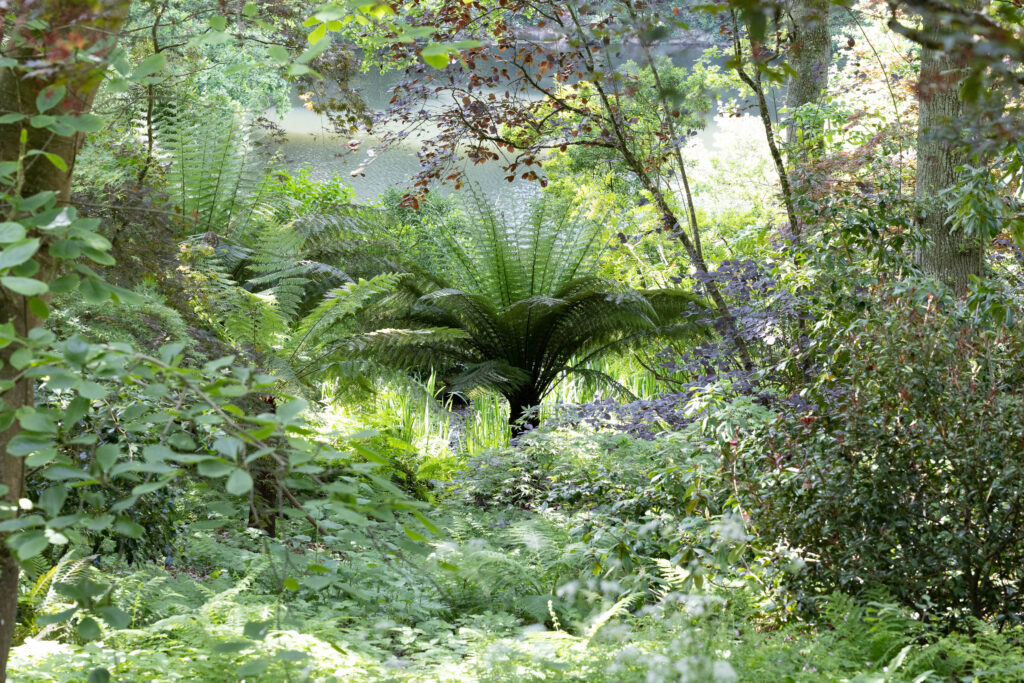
pixel 515 307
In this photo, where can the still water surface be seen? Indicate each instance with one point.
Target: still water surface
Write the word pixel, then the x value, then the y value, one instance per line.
pixel 309 142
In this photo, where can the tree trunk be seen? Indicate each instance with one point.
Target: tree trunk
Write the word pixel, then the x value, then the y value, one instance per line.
pixel 67 23
pixel 517 408
pixel 950 256
pixel 810 55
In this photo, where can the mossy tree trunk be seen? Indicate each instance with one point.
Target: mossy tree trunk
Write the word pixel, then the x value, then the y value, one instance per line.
pixel 810 55
pixel 949 255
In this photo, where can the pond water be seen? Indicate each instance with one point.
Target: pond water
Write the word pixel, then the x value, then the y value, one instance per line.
pixel 309 142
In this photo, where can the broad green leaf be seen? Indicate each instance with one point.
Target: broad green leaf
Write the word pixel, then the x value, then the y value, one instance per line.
pixel 30 544
pixel 239 483
pixel 89 629
pixel 11 232
pixel 50 97
pixel 99 675
pixel 127 527
pixel 107 455
pixel 257 630
pixel 229 447
pixel 56 160
pixel 318 34
pixel 25 286
pixel 116 617
pixel 92 390
pixel 52 500
pixel 152 64
pixel 18 253
pixel 86 123
pixel 278 53
pixel 57 618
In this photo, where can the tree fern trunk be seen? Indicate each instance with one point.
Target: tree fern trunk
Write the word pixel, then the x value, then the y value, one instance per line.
pixel 517 414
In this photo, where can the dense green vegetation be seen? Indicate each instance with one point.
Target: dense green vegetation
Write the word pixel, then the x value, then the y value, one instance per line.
pixel 723 383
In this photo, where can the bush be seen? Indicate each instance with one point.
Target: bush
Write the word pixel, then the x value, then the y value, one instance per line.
pixel 146 323
pixel 908 472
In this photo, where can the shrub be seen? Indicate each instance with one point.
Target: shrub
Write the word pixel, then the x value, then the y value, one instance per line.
pixel 908 471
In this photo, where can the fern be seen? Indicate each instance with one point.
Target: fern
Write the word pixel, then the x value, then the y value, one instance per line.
pixel 214 176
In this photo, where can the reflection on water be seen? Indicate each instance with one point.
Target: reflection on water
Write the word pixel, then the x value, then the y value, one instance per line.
pixel 309 142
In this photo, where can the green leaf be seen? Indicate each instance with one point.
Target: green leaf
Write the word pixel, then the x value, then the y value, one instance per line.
pixel 214 468
pixel 86 123
pixel 57 161
pixel 249 10
pixel 10 118
pixel 291 655
pixel 116 617
pixel 99 675
pixel 290 584
pixel 127 527
pixel 218 22
pixel 30 544
pixel 239 483
pixel 107 455
pixel 11 232
pixel 231 646
pixel 39 308
pixel 436 56
pixel 152 64
pixel 279 53
pixel 25 286
pixel 257 630
pixel 318 34
pixel 50 97
pixel 229 447
pixel 57 618
pixel 52 500
pixel 254 667
pixel 34 420
pixel 89 629
pixel 18 253
pixel 92 390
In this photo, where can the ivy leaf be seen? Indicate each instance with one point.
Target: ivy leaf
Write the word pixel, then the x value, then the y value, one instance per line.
pixel 239 483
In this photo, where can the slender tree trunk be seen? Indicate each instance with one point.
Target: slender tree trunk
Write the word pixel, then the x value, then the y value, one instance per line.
pixel 810 55
pixel 755 85
pixel 67 22
pixel 949 255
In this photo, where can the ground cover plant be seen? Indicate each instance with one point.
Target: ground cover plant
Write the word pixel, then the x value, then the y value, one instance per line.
pixel 719 382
